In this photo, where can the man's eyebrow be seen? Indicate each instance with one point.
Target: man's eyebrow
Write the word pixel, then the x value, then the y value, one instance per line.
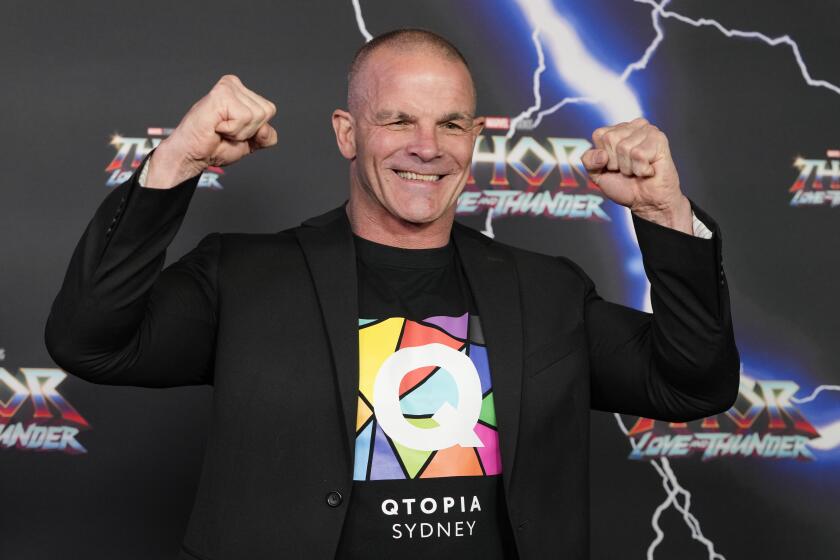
pixel 457 116
pixel 388 115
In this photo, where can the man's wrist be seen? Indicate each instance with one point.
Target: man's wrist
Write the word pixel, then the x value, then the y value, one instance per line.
pixel 166 168
pixel 676 215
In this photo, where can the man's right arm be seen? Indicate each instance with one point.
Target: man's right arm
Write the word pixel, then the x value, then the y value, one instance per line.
pixel 118 318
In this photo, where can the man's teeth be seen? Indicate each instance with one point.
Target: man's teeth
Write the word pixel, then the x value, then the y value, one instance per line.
pixel 417 176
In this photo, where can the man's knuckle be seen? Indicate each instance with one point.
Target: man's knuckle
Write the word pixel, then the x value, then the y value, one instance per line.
pixel 623 147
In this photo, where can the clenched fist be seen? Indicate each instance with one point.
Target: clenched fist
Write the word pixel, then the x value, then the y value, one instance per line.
pixel 222 127
pixel 631 163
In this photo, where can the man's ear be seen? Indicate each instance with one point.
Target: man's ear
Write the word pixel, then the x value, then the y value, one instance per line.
pixel 344 128
pixel 478 126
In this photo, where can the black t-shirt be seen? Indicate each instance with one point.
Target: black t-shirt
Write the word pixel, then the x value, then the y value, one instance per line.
pixel 427 477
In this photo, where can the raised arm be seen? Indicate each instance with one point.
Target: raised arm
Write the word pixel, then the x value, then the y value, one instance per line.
pixel 118 319
pixel 680 363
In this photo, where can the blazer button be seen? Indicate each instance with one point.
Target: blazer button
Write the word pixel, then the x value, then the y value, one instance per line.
pixel 334 499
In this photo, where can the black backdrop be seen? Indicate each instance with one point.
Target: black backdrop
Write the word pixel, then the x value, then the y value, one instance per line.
pixel 81 80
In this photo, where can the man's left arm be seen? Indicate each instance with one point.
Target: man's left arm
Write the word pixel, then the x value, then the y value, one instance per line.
pixel 681 362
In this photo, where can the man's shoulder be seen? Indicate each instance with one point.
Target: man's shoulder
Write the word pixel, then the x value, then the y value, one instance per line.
pixel 283 238
pixel 250 245
pixel 257 240
pixel 237 248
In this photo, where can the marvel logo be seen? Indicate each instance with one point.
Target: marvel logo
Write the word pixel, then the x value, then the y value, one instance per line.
pixel 497 123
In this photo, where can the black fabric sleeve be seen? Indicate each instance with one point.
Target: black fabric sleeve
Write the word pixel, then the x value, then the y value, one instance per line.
pixel 681 362
pixel 118 319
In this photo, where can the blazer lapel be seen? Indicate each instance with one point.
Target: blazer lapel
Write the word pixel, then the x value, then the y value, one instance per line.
pixel 327 244
pixel 491 273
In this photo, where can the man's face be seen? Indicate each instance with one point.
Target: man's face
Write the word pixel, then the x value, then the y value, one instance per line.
pixel 414 132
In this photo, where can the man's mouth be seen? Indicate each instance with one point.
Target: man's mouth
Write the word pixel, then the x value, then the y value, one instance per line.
pixel 412 176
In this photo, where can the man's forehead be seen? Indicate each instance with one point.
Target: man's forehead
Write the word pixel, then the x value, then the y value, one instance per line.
pixel 389 65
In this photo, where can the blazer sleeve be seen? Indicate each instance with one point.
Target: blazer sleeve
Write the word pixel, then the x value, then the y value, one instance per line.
pixel 679 363
pixel 118 319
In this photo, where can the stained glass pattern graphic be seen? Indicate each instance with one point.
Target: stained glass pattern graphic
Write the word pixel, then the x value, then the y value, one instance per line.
pixel 424 393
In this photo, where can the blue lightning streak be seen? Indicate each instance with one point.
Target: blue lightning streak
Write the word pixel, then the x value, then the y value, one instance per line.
pixel 657 12
pixel 615 99
pixel 578 68
pixel 640 64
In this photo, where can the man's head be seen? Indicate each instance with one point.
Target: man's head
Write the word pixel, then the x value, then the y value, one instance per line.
pixel 409 132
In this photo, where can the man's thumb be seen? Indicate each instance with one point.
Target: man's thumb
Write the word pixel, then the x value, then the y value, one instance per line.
pixel 594 160
pixel 225 127
pixel 266 136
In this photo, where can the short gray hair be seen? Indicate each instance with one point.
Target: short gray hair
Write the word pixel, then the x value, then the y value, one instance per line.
pixel 404 39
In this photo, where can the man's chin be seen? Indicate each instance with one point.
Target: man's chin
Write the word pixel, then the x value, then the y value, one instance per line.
pixel 419 217
pixel 416 220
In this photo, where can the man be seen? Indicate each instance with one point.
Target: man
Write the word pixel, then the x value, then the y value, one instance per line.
pixel 389 383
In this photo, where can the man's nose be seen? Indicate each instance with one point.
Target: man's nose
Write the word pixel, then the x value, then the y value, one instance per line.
pixel 424 143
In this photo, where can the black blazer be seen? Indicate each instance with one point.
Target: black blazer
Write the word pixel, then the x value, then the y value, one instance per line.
pixel 271 321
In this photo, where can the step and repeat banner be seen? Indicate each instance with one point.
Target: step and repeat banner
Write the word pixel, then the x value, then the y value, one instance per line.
pixel 748 94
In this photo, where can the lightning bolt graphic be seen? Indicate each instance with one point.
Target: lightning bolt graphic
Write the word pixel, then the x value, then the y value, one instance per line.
pixel 572 62
pixel 360 21
pixel 535 38
pixel 673 489
pixel 564 35
pixel 579 69
pixel 815 392
pixel 830 433
pixel 829 439
pixel 772 41
pixel 514 123
pixel 596 80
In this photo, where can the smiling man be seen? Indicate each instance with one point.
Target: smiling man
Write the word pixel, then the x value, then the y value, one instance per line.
pixel 389 383
pixel 409 135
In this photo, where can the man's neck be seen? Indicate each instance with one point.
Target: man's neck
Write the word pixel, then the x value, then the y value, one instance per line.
pixel 385 228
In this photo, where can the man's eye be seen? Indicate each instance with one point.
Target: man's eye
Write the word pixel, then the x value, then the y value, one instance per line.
pixel 453 126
